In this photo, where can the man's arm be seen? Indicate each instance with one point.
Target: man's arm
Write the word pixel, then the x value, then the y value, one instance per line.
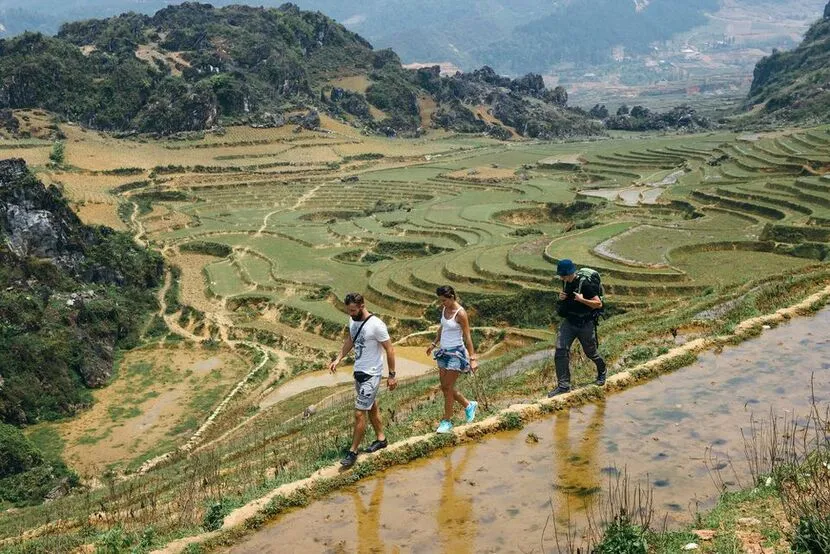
pixel 389 348
pixel 594 303
pixel 347 346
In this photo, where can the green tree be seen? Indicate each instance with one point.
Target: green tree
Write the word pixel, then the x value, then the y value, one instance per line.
pixel 17 453
pixel 57 155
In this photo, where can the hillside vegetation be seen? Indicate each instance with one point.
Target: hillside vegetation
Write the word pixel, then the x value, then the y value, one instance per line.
pixel 192 67
pixel 69 294
pixel 792 86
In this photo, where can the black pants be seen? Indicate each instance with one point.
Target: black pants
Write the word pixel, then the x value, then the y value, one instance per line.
pixel 568 333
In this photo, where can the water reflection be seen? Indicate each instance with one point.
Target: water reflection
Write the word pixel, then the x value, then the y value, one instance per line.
pixel 455 512
pixel 368 521
pixel 576 470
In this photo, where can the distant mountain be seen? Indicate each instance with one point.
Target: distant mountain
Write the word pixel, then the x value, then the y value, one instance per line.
pixel 512 36
pixel 437 30
pixel 192 66
pixel 586 31
pixel 794 86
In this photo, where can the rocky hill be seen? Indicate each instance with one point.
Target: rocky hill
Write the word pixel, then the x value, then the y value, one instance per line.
pixel 69 295
pixel 793 86
pixel 193 66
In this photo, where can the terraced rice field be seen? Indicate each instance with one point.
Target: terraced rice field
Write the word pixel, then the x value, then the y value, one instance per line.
pixel 659 217
pixel 272 227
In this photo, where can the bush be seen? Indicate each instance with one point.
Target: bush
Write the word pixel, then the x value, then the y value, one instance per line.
pixel 209 248
pixel 215 515
pixel 622 537
pixel 812 535
pixel 58 153
pixel 113 541
pixel 17 453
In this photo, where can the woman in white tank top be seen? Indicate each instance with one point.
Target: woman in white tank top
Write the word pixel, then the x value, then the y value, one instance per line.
pixel 456 355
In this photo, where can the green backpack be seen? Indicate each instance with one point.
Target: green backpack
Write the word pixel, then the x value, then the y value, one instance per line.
pixel 593 277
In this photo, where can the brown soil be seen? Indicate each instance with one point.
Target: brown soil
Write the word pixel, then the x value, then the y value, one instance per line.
pixel 484 174
pixel 150 53
pixel 100 214
pixel 484 113
pixel 169 221
pixel 160 398
pixel 427 107
pixel 523 217
pixel 35 123
pixel 192 283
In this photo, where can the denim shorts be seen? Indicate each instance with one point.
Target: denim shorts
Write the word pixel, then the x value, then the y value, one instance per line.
pixel 454 358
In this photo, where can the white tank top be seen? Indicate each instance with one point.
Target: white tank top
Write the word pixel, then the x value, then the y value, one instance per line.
pixel 451 335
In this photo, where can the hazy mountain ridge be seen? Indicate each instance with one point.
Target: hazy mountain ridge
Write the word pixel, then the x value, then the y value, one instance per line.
pixel 514 36
pixel 793 86
pixel 588 31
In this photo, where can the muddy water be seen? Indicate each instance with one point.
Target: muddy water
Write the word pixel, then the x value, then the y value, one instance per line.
pixel 494 496
pixel 410 362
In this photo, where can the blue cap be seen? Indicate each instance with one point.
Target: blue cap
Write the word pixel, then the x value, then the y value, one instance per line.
pixel 565 267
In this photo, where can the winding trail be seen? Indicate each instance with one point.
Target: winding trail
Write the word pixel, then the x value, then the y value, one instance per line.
pixel 138 226
pixel 300 201
pixel 223 324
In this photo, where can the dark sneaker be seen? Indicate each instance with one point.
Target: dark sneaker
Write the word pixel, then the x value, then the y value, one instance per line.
pixel 377 445
pixel 600 382
pixel 349 460
pixel 558 390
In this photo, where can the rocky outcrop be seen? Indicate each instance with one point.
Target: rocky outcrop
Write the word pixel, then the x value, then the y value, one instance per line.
pixel 791 86
pixel 351 102
pixel 34 221
pixel 309 120
pixel 69 293
pixel 9 122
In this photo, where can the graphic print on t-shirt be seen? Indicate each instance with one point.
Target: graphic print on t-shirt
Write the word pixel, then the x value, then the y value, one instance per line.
pixel 359 345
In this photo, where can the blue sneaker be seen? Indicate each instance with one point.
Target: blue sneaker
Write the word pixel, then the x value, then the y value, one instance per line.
pixel 444 427
pixel 470 411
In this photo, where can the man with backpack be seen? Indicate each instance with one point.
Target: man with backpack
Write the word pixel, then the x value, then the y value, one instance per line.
pixel 368 335
pixel 580 304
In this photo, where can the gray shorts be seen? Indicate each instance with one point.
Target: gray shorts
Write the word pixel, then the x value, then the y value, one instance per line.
pixel 366 386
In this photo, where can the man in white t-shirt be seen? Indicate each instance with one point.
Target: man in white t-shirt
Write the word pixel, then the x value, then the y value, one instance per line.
pixel 368 335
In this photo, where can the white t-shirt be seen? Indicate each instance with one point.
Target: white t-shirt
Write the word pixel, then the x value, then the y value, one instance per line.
pixel 368 352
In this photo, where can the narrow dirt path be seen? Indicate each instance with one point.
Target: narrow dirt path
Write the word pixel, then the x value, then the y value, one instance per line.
pixel 220 321
pixel 300 201
pixel 138 227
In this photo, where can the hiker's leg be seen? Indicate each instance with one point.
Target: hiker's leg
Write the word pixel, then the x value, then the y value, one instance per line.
pixel 562 357
pixel 359 429
pixel 460 398
pixel 448 378
pixel 374 418
pixel 456 363
pixel 588 339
